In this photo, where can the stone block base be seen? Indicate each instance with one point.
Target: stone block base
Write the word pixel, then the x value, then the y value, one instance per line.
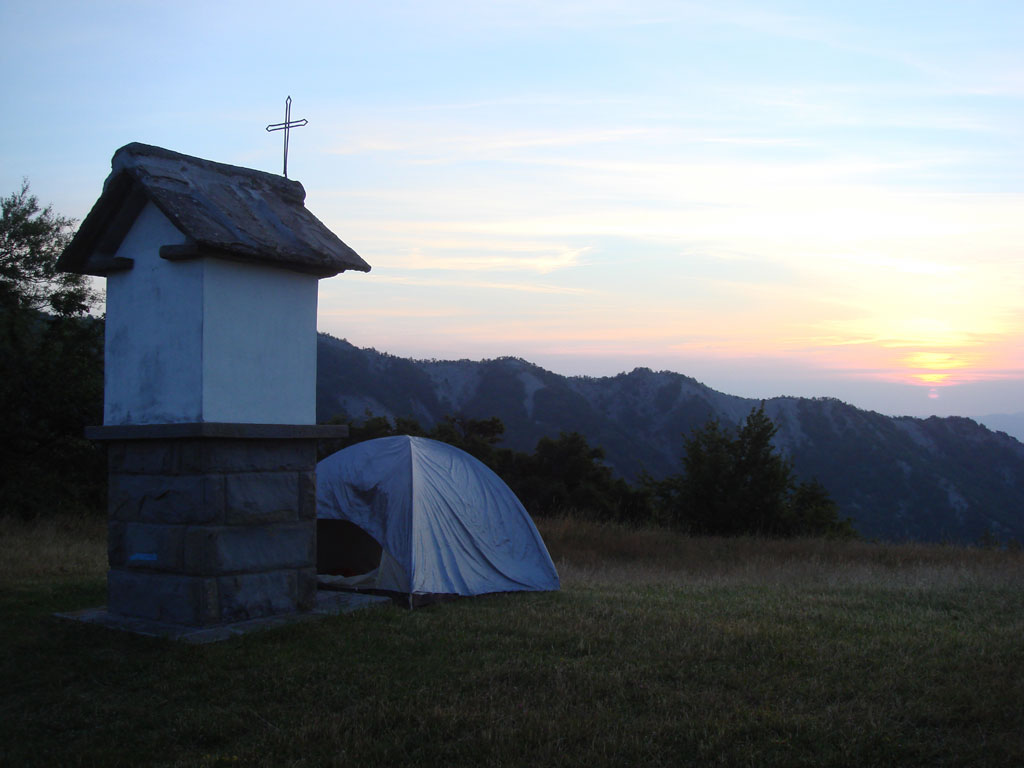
pixel 204 600
pixel 209 527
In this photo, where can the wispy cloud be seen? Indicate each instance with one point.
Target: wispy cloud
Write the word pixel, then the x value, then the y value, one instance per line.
pixel 493 259
pixel 476 285
pixel 434 143
pixel 391 312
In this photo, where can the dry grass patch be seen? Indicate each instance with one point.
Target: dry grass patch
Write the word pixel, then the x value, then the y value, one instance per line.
pixel 59 547
pixel 606 553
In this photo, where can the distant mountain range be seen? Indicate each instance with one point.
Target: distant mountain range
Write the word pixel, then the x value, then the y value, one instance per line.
pixel 898 478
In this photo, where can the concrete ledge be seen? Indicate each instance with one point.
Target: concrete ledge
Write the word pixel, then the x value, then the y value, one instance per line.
pixel 209 455
pixel 327 604
pixel 217 429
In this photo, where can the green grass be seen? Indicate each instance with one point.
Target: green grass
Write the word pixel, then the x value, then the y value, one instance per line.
pixel 659 650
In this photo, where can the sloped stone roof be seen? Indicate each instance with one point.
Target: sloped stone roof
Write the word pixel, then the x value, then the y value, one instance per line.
pixel 224 211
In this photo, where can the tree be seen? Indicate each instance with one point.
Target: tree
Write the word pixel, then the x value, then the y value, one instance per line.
pixel 477 437
pixel 370 428
pixel 734 484
pixel 812 512
pixel 51 355
pixel 566 474
pixel 31 241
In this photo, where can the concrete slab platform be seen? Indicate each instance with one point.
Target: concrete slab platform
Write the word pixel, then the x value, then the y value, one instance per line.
pixel 327 604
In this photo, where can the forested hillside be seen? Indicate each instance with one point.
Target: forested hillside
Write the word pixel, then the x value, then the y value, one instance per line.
pixel 898 478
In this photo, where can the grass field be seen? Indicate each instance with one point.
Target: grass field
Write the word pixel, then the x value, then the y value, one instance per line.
pixel 659 650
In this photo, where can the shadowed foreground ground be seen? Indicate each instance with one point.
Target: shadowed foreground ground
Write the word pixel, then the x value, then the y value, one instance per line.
pixel 659 650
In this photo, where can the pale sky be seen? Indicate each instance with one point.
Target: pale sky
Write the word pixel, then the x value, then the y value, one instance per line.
pixel 806 198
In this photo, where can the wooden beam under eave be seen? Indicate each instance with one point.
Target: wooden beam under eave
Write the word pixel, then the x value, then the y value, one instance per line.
pixel 102 265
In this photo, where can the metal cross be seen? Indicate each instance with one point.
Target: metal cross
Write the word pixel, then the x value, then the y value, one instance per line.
pixel 286 126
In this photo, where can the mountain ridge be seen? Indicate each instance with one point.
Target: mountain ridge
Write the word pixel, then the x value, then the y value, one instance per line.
pixel 1010 423
pixel 897 477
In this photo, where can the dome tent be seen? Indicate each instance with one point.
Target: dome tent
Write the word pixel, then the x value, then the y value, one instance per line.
pixel 420 517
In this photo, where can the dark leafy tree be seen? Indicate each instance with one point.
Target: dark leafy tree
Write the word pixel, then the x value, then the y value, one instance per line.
pixel 736 483
pixel 566 474
pixel 31 240
pixel 51 355
pixel 370 428
pixel 812 512
pixel 477 437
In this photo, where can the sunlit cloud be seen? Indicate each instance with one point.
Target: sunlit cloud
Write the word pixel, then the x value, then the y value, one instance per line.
pixel 932 379
pixel 390 313
pixel 468 284
pixel 449 256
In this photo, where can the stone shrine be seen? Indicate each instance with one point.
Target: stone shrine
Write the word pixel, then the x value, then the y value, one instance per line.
pixel 210 385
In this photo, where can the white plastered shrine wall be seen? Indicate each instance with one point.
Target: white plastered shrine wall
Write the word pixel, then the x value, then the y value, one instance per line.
pixel 237 341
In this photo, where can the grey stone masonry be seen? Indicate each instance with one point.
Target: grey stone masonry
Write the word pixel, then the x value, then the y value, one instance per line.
pixel 209 529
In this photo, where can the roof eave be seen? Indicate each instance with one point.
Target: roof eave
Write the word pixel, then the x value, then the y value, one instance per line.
pixel 241 253
pixel 132 185
pixel 92 249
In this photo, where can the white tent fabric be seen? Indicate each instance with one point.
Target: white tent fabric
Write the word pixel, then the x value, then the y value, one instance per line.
pixel 446 522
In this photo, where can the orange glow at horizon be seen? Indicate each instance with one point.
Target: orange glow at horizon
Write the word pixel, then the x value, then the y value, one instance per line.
pixel 935 368
pixel 933 379
pixel 934 361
